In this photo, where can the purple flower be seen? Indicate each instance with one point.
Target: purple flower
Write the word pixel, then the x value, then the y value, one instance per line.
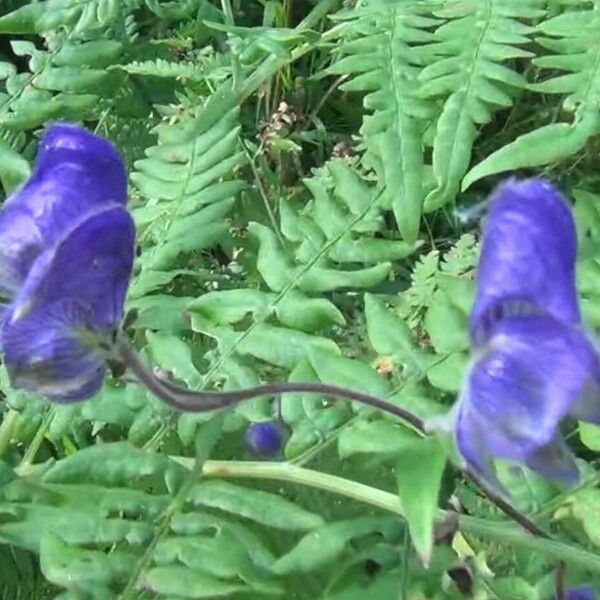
pixel 583 592
pixel 264 439
pixel 533 364
pixel 528 257
pixel 66 254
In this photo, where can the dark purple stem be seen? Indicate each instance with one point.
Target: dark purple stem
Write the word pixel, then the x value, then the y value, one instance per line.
pixel 190 401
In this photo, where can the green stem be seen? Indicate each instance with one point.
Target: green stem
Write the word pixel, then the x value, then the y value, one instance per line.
pixel 7 429
pixel 270 66
pixel 500 532
pixel 36 442
pixel 229 20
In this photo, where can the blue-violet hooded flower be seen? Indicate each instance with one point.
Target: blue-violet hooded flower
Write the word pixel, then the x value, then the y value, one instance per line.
pixel 533 364
pixel 583 592
pixel 66 254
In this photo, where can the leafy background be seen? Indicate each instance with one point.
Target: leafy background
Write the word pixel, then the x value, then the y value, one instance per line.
pixel 308 180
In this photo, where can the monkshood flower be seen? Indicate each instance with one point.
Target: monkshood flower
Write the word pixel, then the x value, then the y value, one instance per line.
pixel 532 363
pixel 66 254
pixel 583 592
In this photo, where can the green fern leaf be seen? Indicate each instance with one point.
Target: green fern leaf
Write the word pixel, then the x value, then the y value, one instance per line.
pixel 187 179
pixel 570 36
pixel 472 78
pixel 80 15
pixel 67 82
pixel 185 71
pixel 377 56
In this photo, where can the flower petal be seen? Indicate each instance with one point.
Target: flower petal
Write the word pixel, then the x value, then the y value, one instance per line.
pixel 76 173
pixel 534 371
pixel 71 302
pixel 583 592
pixel 528 258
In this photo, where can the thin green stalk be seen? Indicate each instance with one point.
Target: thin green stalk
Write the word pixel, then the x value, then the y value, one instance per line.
pixel 262 191
pixel 504 533
pixel 270 66
pixel 235 63
pixel 36 442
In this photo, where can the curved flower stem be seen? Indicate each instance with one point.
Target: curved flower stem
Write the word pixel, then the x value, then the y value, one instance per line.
pixel 500 532
pixel 189 401
pixel 506 507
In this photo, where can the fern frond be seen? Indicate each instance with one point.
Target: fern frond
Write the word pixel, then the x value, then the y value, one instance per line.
pixel 329 233
pixel 187 179
pixel 378 55
pixel 66 82
pixel 207 67
pixel 571 38
pixel 472 77
pixel 117 497
pixel 164 68
pixel 80 16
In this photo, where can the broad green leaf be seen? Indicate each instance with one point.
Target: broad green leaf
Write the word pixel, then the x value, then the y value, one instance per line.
pixel 309 415
pixel 195 523
pixel 324 545
pixel 113 465
pixel 388 333
pixel 161 312
pixel 183 582
pixel 230 306
pixel 384 587
pixel 419 470
pixel 590 435
pixel 375 437
pixel 349 373
pixel 72 567
pixel 256 505
pixel 276 345
pixel 294 310
pixel 278 272
pixel 174 355
pixel 449 373
pixel 446 325
pixel 14 169
pixel 31 522
pixel 539 147
pixel 584 506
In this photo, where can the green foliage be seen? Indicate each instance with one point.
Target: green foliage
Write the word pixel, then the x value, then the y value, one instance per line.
pixel 295 170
